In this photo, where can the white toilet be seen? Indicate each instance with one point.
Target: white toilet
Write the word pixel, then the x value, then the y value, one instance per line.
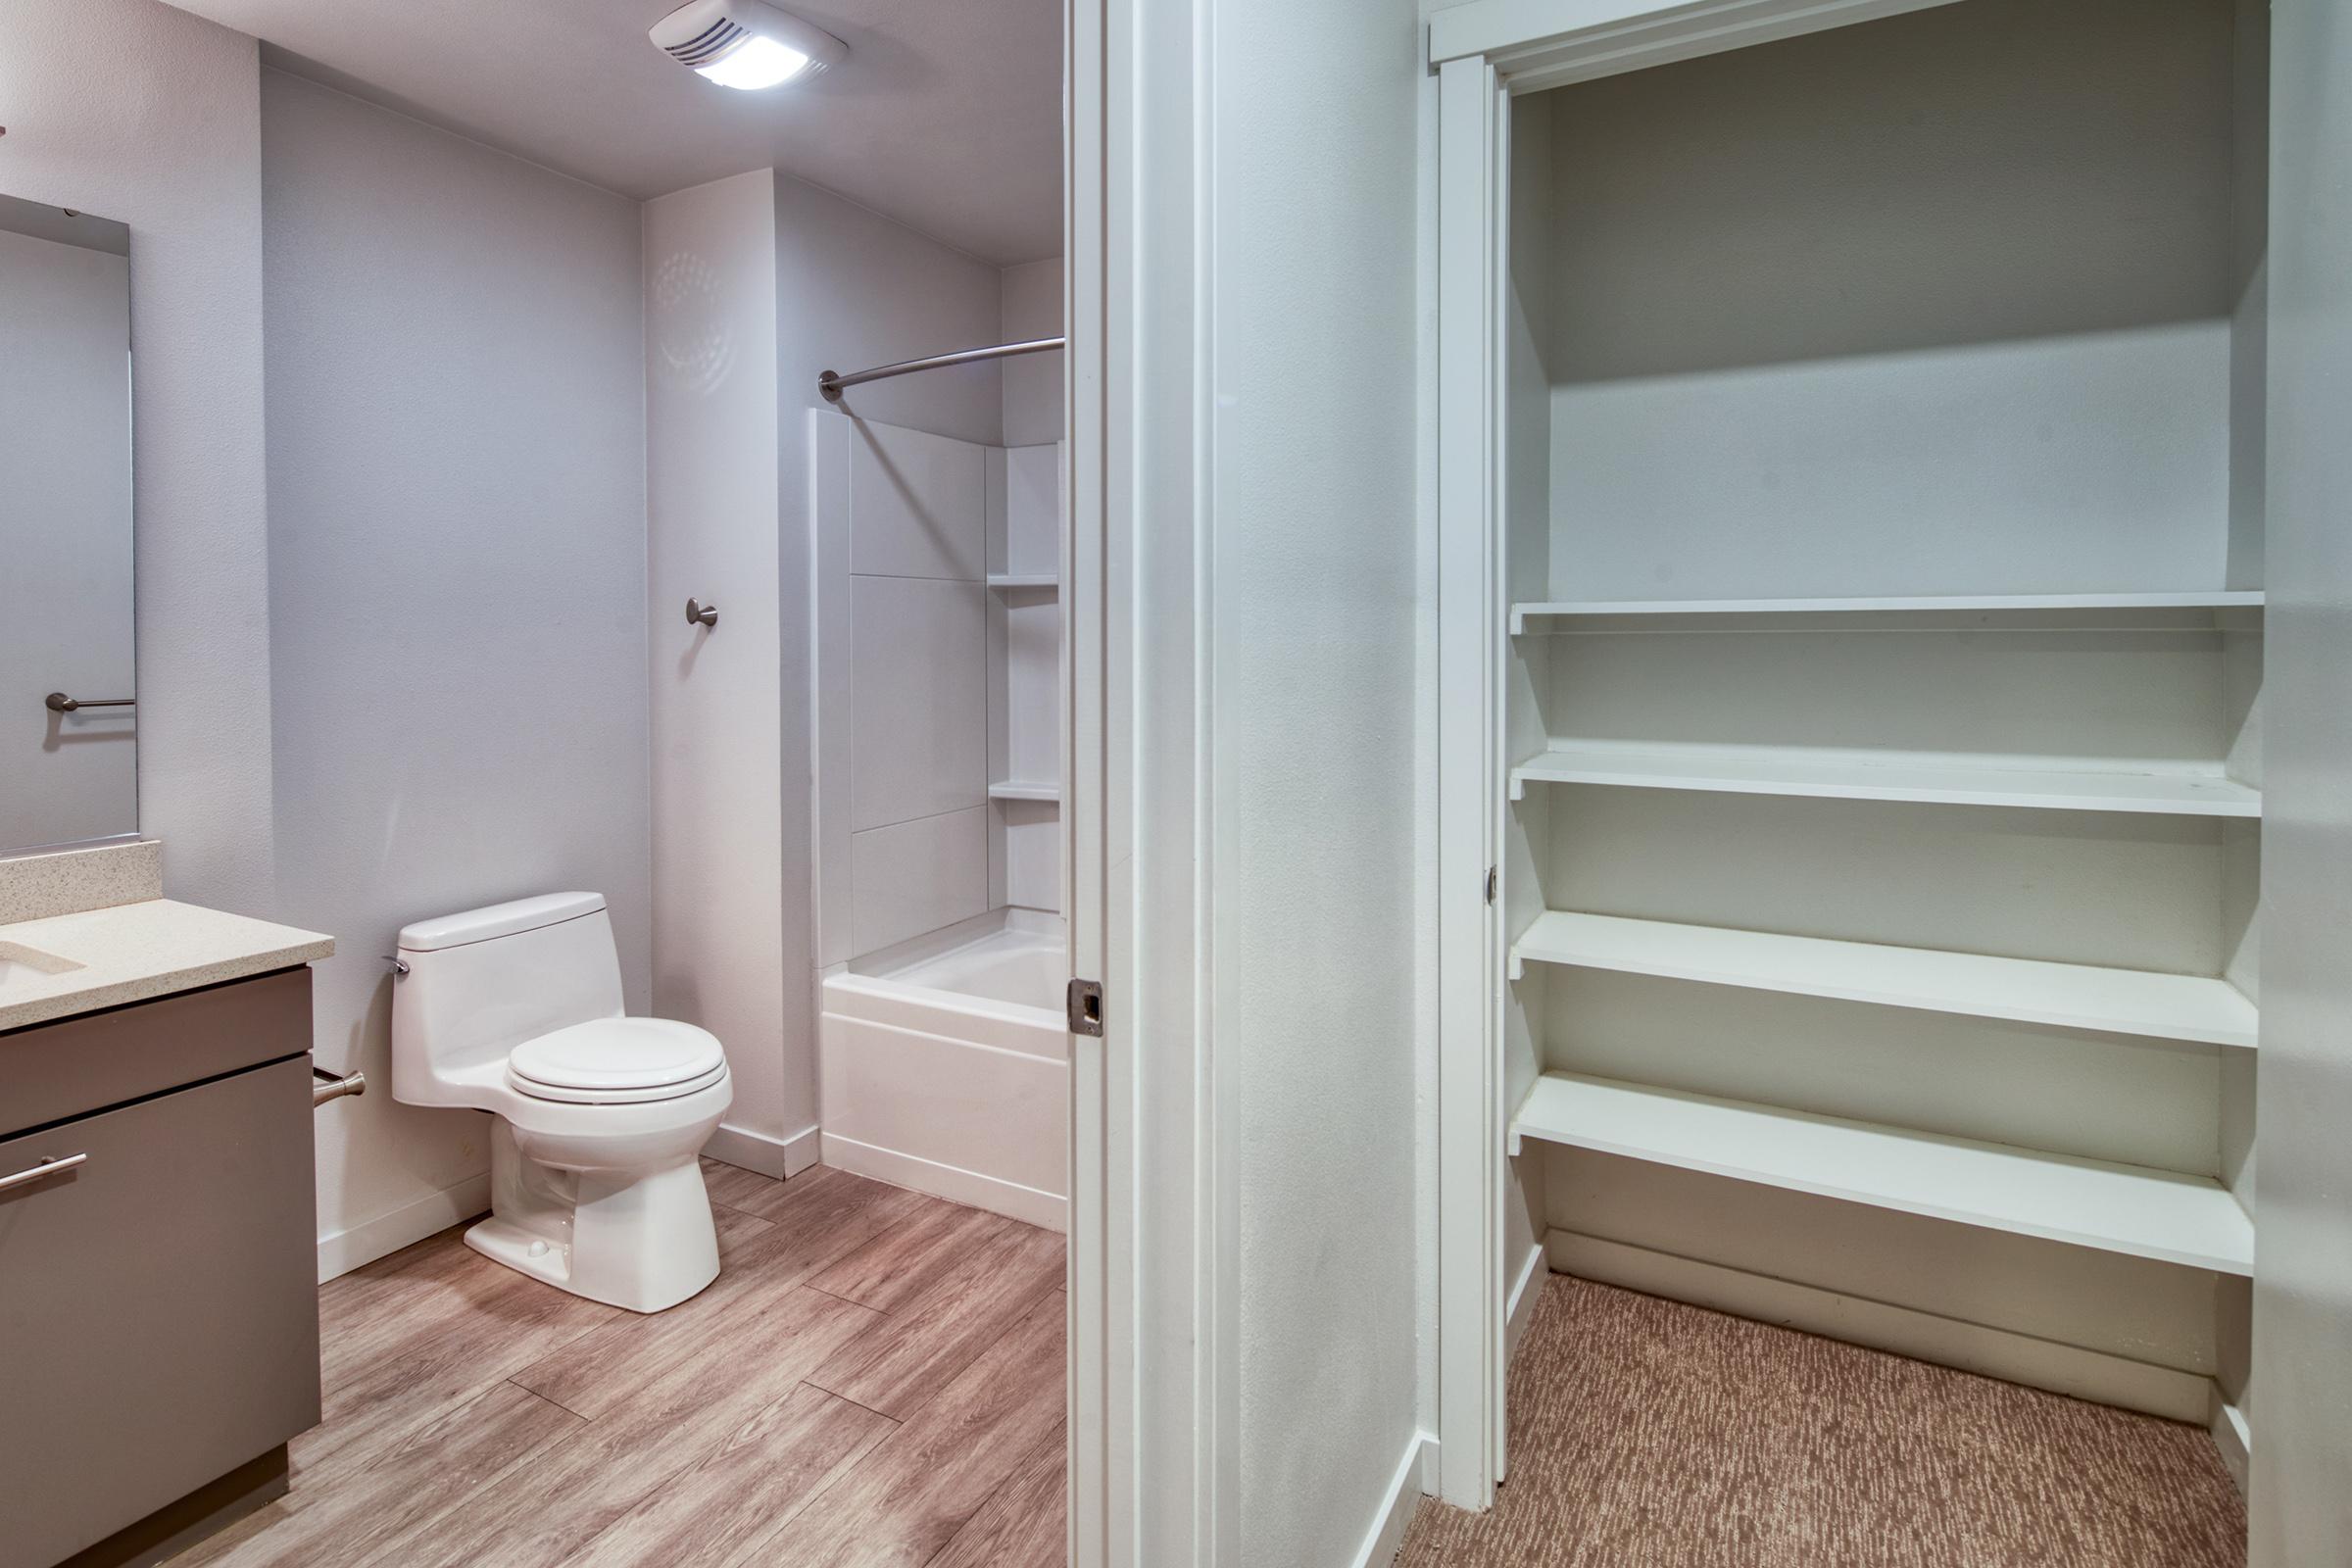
pixel 595 1187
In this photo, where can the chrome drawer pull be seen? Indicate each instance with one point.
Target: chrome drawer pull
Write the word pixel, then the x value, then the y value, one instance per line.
pixel 47 1168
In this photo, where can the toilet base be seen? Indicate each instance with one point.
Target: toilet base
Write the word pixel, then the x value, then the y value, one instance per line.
pixel 639 1240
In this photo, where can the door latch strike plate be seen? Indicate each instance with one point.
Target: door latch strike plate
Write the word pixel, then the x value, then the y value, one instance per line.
pixel 1086 1007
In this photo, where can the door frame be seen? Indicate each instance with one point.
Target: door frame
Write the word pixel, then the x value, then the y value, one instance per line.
pixel 1482 54
pixel 1154 1208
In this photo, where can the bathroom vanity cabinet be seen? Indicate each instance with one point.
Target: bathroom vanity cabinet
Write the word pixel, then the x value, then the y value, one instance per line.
pixel 159 1320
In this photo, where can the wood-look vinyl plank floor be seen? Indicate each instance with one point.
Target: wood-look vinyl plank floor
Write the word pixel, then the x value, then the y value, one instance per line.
pixel 347 1517
pixel 904 1263
pixel 875 1377
pixel 1026 1524
pixel 906 1502
pixel 590 1480
pixel 975 1301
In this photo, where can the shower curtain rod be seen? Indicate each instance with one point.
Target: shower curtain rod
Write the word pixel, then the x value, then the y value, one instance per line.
pixel 832 383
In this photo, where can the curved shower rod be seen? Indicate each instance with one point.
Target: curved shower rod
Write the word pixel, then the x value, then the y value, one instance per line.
pixel 832 383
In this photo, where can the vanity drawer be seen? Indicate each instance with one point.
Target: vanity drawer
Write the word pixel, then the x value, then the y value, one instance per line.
pixel 158 1317
pixel 49 1072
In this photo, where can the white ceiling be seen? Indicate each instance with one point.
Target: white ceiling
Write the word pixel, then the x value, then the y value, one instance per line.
pixel 947 116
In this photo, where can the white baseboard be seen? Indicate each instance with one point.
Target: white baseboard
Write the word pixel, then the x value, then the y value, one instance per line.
pixel 386 1233
pixel 1525 1290
pixel 950 1182
pixel 2233 1436
pixel 781 1158
pixel 1387 1533
pixel 2069 1369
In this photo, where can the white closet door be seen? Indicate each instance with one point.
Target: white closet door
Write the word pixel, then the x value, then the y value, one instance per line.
pixel 2302 1386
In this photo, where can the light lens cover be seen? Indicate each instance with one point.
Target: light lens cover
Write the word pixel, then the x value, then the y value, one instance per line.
pixel 754 64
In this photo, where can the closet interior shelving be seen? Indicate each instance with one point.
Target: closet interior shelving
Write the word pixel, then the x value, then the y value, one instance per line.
pixel 1892 860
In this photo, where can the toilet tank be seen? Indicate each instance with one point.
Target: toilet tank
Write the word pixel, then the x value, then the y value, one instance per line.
pixel 481 983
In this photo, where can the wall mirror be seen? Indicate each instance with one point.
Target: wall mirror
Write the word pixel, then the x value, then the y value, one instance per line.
pixel 69 724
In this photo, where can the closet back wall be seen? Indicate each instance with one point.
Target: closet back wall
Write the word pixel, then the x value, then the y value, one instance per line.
pixel 1823 326
pixel 457 586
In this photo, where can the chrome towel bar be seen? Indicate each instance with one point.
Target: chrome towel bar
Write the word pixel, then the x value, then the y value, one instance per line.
pixel 831 382
pixel 60 703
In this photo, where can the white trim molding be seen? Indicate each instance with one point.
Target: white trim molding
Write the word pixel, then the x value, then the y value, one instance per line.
pixel 1527 1288
pixel 2233 1436
pixel 1471 157
pixel 779 1157
pixel 2074 1370
pixel 362 1244
pixel 1549 44
pixel 1386 1537
pixel 1029 1205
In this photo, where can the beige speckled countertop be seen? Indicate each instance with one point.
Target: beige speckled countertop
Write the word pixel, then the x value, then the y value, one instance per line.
pixel 136 952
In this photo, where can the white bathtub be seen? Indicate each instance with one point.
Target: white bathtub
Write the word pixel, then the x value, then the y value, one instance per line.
pixel 944 1066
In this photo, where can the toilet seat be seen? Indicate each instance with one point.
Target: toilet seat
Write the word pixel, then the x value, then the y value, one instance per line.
pixel 614 1061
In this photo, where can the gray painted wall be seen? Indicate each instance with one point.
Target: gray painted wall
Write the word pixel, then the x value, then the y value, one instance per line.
pixel 1311 713
pixel 457 573
pixel 719 833
pixel 167 139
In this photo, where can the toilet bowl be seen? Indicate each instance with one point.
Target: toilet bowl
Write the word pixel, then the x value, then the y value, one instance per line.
pixel 595 1182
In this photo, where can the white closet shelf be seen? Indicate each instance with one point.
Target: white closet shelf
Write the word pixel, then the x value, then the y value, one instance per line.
pixel 1018 791
pixel 2069 996
pixel 2047 783
pixel 2165 1215
pixel 2089 612
pixel 1026 581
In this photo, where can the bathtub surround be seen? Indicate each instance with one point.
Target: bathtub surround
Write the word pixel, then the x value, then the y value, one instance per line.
pixel 945 1064
pixel 1029 306
pixel 944 1056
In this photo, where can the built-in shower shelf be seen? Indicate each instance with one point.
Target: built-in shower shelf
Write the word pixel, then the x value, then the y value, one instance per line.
pixel 1018 791
pixel 2135 1209
pixel 1024 582
pixel 2066 995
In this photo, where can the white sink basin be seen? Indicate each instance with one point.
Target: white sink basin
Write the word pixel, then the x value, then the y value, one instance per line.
pixel 19 964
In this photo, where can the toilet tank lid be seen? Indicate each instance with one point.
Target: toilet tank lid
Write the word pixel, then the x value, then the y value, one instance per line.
pixel 498 921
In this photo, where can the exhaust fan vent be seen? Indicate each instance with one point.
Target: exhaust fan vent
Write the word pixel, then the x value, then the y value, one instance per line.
pixel 745 43
pixel 711 41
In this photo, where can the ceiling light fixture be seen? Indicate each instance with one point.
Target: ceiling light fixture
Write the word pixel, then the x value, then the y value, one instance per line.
pixel 745 43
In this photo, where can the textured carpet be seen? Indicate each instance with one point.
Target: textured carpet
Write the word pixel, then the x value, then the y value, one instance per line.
pixel 1645 1433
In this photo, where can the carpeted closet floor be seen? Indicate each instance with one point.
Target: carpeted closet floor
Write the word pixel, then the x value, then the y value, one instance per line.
pixel 1646 1433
